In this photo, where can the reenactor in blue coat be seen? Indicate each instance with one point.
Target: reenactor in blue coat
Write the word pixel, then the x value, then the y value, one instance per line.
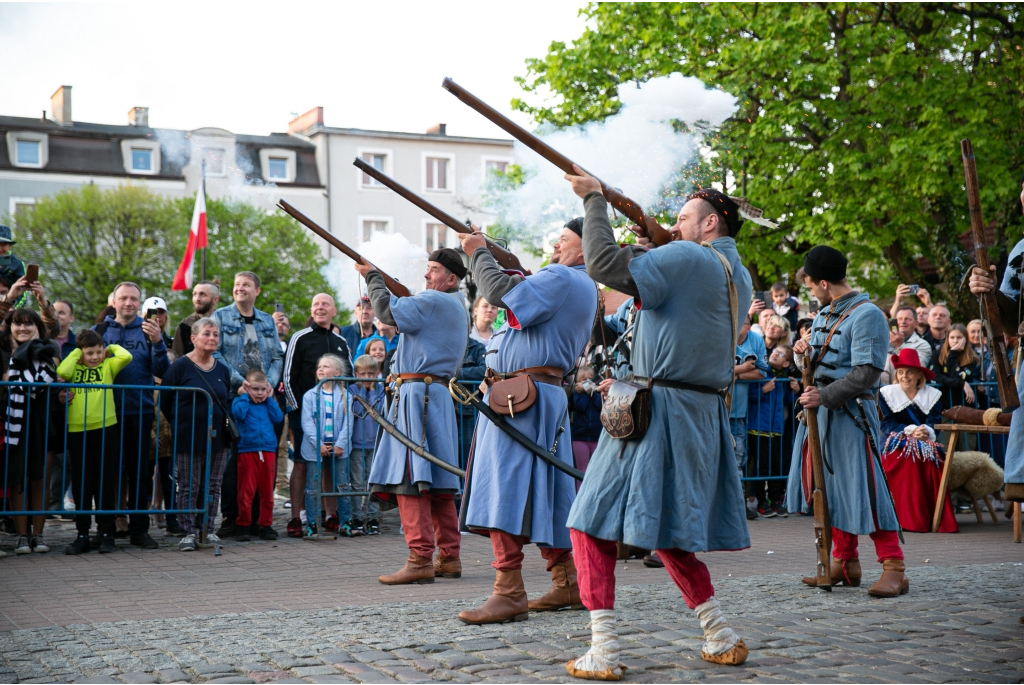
pixel 512 496
pixel 433 328
pixel 675 489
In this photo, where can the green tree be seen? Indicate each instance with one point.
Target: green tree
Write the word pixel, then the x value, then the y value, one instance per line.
pixel 87 240
pixel 848 125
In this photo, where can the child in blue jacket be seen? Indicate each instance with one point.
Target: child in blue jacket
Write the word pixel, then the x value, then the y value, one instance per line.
pixel 765 428
pixel 255 413
pixel 326 440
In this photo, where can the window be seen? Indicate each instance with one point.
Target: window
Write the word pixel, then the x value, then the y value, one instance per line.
pixel 278 165
pixel 142 160
pixel 141 156
pixel 20 207
pixel 434 237
pixel 214 158
pixel 496 165
pixel 277 169
pixel 437 173
pixel 27 149
pixel 28 152
pixel 379 162
pixel 371 226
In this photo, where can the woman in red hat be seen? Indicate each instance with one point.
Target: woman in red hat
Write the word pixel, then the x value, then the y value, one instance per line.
pixel 912 458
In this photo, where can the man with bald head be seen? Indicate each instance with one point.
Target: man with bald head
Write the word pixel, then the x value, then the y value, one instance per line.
pixel 938 325
pixel 300 360
pixel 569 246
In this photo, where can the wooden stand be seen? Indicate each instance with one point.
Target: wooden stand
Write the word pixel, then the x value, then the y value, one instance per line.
pixel 1016 520
pixel 954 430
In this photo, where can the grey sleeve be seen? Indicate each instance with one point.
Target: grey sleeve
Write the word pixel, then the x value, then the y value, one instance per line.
pixel 380 297
pixel 607 263
pixel 492 282
pixel 859 381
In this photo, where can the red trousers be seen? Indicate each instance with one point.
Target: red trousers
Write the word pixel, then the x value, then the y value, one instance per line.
pixel 887 544
pixel 595 572
pixel 256 473
pixel 430 522
pixel 508 551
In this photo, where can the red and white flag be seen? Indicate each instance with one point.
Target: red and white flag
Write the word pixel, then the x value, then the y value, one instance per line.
pixel 196 241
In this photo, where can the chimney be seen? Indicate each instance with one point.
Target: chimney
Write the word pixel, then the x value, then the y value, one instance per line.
pixel 60 105
pixel 437 130
pixel 138 116
pixel 304 122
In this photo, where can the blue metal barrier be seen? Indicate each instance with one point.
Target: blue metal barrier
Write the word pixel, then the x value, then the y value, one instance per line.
pixel 51 432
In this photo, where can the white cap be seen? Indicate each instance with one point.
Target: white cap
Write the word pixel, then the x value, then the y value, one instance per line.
pixel 154 303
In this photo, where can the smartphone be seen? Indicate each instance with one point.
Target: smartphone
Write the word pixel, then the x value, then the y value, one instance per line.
pixel 759 295
pixel 279 308
pixel 892 325
pixel 149 314
pixel 31 273
pixel 914 288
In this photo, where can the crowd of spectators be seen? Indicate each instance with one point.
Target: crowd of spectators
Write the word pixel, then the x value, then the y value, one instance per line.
pixel 275 426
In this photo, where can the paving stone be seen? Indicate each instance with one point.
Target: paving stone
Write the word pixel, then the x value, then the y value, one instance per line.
pixel 172 675
pixel 371 656
pixel 456 660
pixel 478 645
pixel 329 679
pixel 139 678
pixel 232 679
pixel 208 669
pixel 307 671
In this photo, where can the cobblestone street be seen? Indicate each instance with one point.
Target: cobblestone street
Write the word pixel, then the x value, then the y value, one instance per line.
pixel 305 611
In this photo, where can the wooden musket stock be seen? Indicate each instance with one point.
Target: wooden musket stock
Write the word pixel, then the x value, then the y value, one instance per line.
pixel 1008 397
pixel 396 288
pixel 634 212
pixel 506 259
pixel 819 498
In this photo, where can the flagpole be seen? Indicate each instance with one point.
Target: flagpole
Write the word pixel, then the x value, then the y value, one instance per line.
pixel 202 263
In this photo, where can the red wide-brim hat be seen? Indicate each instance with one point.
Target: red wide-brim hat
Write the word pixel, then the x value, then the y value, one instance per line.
pixel 909 359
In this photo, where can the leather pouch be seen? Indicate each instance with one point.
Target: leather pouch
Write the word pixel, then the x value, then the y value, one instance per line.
pixel 513 395
pixel 626 410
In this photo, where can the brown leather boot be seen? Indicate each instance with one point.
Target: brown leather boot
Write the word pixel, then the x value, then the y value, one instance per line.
pixel 508 603
pixel 564 591
pixel 417 569
pixel 446 566
pixel 844 572
pixel 893 582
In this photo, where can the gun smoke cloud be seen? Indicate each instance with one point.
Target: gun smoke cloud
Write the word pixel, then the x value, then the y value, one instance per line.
pixel 637 150
pixel 390 252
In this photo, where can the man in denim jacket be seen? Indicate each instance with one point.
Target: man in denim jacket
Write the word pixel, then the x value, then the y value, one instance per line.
pixel 248 340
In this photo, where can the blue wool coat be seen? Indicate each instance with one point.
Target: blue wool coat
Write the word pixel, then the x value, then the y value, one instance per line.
pixel 863 338
pixel 1014 468
pixel 433 329
pixel 678 486
pixel 550 317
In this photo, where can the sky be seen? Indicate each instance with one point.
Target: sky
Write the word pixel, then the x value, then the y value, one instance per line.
pixel 250 67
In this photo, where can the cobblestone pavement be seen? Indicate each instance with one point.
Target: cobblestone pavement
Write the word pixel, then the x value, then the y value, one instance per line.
pixel 959 624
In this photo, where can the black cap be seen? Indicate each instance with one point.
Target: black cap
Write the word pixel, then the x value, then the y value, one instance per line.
pixel 824 263
pixel 576 226
pixel 449 259
pixel 724 206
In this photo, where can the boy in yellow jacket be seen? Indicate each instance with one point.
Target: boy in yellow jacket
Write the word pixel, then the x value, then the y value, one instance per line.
pixel 92 438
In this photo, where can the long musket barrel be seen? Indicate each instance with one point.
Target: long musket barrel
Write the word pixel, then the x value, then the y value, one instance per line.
pixel 819 497
pixel 505 258
pixel 396 288
pixel 1008 397
pixel 634 212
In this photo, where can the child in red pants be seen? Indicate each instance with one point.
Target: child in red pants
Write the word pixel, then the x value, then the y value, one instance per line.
pixel 255 417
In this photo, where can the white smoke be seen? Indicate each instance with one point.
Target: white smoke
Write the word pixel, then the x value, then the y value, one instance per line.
pixel 637 150
pixel 389 252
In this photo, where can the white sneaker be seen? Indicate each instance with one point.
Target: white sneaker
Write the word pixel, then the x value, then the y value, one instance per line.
pixel 187 544
pixel 22 546
pixel 39 545
pixel 213 539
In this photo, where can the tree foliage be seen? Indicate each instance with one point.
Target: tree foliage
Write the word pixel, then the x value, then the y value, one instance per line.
pixel 848 124
pixel 87 240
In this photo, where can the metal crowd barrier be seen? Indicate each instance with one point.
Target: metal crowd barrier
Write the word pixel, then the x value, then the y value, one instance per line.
pixel 58 470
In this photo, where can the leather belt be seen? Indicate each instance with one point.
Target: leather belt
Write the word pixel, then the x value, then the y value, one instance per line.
pixel 680 385
pixel 552 375
pixel 427 378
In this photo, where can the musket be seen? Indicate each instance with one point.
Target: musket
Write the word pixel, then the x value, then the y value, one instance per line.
pixel 1008 398
pixel 505 258
pixel 396 288
pixel 819 498
pixel 634 212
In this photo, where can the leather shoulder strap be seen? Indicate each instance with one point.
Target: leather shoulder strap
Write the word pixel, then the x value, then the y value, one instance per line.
pixel 734 305
pixel 832 332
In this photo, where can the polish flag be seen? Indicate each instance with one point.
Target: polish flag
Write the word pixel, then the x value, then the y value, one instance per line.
pixel 196 241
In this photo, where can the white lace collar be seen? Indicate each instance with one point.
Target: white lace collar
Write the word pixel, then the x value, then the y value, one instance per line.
pixel 898 401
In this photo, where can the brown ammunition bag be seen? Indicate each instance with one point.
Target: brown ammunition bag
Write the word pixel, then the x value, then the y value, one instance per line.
pixel 512 395
pixel 626 410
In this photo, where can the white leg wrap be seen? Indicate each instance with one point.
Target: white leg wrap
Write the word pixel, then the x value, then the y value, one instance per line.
pixel 718 636
pixel 604 644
